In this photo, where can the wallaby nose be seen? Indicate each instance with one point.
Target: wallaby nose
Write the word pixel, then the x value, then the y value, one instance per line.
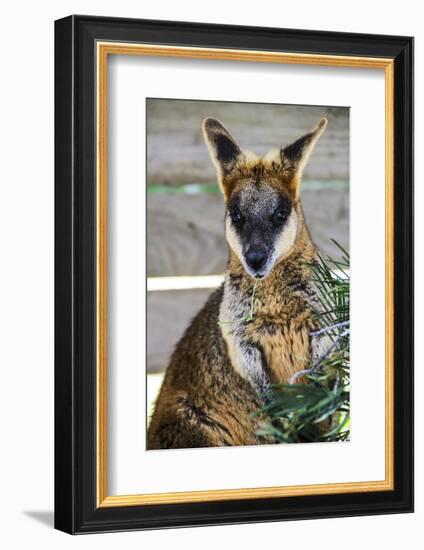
pixel 255 258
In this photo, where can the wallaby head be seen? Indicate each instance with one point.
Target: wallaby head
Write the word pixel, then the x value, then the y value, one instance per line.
pixel 263 212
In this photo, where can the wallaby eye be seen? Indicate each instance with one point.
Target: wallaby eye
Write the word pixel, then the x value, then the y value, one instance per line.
pixel 279 216
pixel 237 217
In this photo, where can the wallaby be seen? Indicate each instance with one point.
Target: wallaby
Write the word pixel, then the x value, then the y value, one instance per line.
pixel 228 357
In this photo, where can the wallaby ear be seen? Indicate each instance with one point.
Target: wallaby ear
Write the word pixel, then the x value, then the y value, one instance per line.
pixel 222 147
pixel 295 156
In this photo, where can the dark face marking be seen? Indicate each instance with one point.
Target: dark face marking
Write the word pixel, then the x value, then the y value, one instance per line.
pixel 258 214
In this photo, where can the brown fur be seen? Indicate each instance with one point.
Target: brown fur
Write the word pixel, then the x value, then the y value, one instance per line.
pixel 204 402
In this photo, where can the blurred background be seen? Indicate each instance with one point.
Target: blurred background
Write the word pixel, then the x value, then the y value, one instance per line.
pixel 186 247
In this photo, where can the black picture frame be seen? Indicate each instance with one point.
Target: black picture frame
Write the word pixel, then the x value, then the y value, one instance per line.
pixel 76 510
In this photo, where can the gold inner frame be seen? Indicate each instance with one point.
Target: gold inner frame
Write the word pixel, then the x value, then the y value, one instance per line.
pixel 104 49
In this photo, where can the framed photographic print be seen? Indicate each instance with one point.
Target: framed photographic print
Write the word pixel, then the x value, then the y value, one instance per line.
pixel 233 266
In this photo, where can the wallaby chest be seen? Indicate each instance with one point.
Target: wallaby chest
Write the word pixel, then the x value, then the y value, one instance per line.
pixel 267 335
